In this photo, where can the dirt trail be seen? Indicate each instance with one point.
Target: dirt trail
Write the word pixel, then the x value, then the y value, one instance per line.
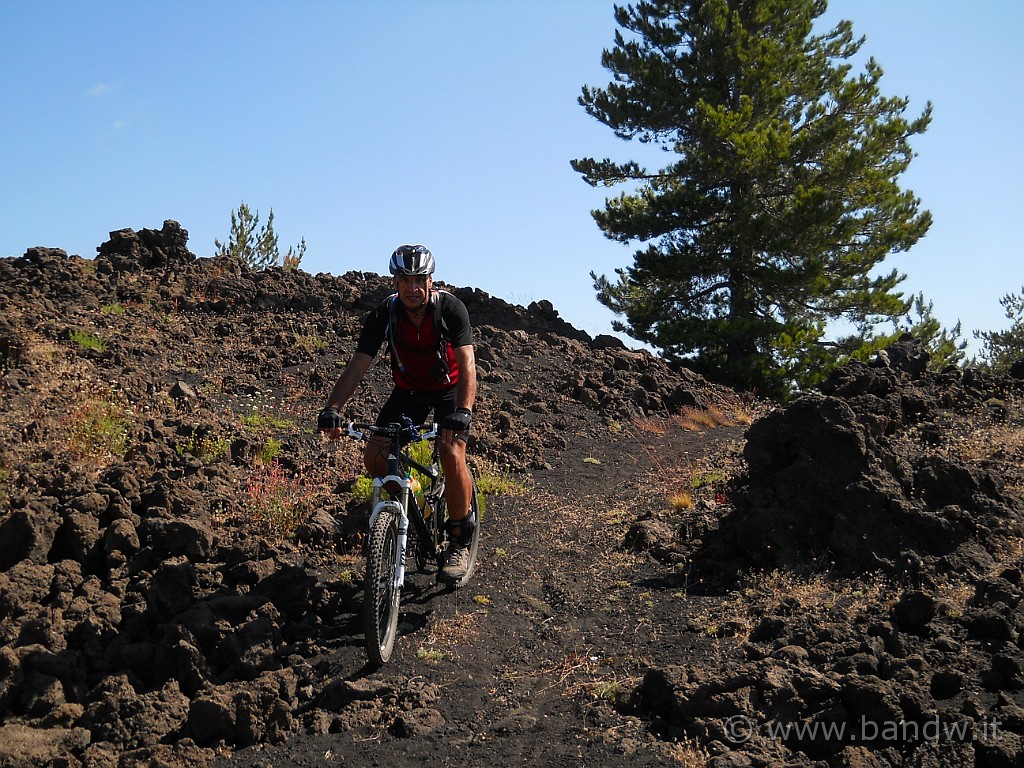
pixel 520 667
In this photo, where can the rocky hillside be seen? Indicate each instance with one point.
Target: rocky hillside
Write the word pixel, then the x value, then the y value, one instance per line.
pixel 180 552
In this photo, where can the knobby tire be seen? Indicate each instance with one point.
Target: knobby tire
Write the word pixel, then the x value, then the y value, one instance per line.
pixel 380 604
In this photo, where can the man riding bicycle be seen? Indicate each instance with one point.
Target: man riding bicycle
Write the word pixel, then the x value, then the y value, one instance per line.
pixel 432 360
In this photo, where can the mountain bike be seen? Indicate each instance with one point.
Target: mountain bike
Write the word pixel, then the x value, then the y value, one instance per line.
pixel 389 540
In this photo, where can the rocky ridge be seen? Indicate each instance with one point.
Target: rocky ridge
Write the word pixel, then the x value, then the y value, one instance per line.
pixel 151 614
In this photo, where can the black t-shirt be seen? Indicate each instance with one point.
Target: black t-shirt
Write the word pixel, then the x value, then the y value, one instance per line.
pixel 419 361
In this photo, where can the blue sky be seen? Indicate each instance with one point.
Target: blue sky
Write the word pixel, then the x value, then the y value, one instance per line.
pixel 451 123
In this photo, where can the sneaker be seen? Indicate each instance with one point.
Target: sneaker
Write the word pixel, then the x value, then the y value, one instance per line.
pixel 455 563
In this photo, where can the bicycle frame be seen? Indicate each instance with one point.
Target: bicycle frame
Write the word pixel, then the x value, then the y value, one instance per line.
pixel 390 520
pixel 399 464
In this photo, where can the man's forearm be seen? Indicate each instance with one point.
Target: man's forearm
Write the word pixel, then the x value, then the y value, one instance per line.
pixel 465 392
pixel 349 380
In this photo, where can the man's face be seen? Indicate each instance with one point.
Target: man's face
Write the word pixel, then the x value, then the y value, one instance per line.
pixel 413 290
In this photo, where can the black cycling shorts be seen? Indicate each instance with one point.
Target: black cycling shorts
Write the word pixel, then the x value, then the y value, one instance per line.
pixel 417 405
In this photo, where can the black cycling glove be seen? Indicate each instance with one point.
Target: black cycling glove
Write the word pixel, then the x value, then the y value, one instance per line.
pixel 329 418
pixel 459 421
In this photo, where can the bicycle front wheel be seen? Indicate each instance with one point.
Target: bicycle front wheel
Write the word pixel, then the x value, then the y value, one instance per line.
pixel 380 603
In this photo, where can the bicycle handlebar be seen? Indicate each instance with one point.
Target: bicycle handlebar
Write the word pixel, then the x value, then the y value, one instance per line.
pixel 361 430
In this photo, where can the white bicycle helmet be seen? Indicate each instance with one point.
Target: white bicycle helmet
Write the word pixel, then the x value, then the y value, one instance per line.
pixel 411 260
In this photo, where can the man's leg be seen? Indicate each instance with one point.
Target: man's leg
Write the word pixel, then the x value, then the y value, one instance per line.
pixel 458 483
pixel 375 456
pixel 399 404
pixel 458 490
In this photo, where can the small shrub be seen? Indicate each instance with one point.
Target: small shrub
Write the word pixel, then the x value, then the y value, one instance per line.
pixel 96 428
pixel 362 489
pixel 280 503
pixel 113 309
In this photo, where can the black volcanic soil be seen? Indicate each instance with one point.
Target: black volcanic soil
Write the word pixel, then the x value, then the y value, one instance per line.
pixel 674 574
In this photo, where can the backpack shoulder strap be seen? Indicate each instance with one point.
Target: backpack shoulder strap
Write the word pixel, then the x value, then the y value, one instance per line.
pixel 392 301
pixel 439 321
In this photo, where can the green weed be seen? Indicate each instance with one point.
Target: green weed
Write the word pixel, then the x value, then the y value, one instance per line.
pixel 269 451
pixel 207 449
pixel 609 690
pixel 429 654
pixel 255 421
pixel 362 489
pixel 708 479
pixel 113 309
pixel 500 484
pixel 309 342
pixel 87 340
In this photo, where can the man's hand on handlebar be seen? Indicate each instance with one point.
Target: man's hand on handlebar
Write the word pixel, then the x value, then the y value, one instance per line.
pixel 329 421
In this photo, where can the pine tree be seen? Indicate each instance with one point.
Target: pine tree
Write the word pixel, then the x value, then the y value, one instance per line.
pixel 256 246
pixel 780 199
pixel 1001 349
pixel 945 346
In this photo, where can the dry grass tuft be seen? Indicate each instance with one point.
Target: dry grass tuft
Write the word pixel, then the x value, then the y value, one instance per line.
pixel 681 500
pixel 953 597
pixel 699 420
pixel 991 435
pixel 586 673
pixel 447 633
pixel 650 425
pixel 689 754
pixel 736 616
pixel 812 591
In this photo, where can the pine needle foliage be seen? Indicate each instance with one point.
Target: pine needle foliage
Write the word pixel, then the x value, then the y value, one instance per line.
pixel 779 201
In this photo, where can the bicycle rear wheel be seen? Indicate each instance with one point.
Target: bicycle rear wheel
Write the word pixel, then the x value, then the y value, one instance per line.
pixel 381 599
pixel 474 542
